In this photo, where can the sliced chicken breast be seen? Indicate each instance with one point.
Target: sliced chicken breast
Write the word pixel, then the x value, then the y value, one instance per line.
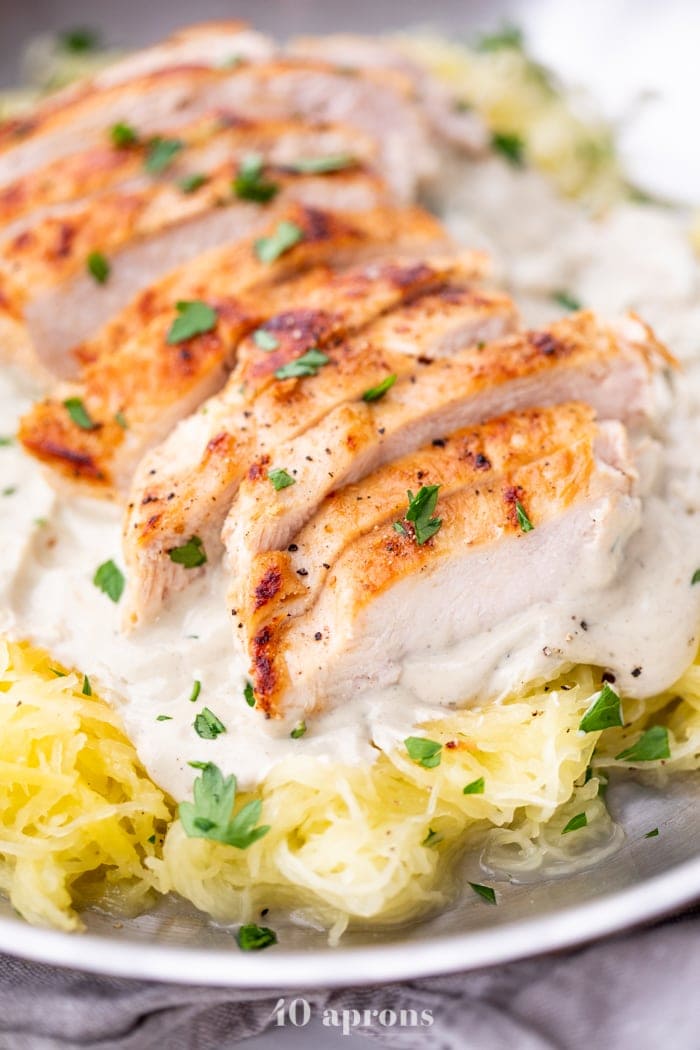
pixel 46 272
pixel 577 357
pixel 178 494
pixel 521 500
pixel 135 393
pixel 378 103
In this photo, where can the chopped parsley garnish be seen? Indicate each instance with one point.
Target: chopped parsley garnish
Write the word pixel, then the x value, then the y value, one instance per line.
pixel 486 892
pixel 190 555
pixel 190 183
pixel 426 753
pixel 579 821
pixel 78 413
pixel 9 490
pixel 110 580
pixel 98 266
pixel 376 392
pixel 194 318
pixel 120 420
pixel 196 690
pixel 652 834
pixel 151 839
pixel 164 718
pixel 79 41
pixel 651 746
pixel 6 441
pixel 252 938
pixel 307 365
pixel 250 183
pixel 508 36
pixel 475 788
pixel 523 520
pixel 298 731
pixel 265 340
pixel 207 725
pixel 284 237
pixel 210 815
pixel 432 838
pixel 249 694
pixel 87 688
pixel 566 300
pixel 161 154
pixel 57 672
pixel 694 580
pixel 420 512
pixel 510 146
pixel 323 165
pixel 604 712
pixel 280 479
pixel 123 135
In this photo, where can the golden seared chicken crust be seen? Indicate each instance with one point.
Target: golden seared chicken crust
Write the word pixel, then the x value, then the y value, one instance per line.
pixel 151 384
pixel 306 611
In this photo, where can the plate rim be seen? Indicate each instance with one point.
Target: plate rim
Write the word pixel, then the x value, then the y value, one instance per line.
pixel 567 927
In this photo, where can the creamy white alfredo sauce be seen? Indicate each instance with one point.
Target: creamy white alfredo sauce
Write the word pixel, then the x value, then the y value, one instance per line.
pixel 641 620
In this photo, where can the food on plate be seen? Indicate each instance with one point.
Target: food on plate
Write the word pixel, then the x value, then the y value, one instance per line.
pixel 349 483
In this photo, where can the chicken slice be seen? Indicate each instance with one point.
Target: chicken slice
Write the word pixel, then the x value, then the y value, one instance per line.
pixel 460 127
pixel 136 393
pixel 206 144
pixel 521 500
pixel 378 103
pixel 186 486
pixel 49 297
pixel 578 357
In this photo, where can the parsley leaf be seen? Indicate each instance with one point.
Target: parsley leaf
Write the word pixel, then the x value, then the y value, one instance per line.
pixel 196 690
pixel 191 554
pixel 508 36
pixel 164 718
pixel 87 688
pixel 604 712
pixel 696 578
pixel 252 938
pixel 652 834
pixel 376 392
pixel 120 420
pixel 110 580
pixel 486 892
pixel 249 694
pixel 432 838
pixel 161 154
pixel 123 135
pixel 420 513
pixel 426 753
pixel 207 725
pixel 510 146
pixel 284 237
pixel 210 815
pixel 265 340
pixel 579 821
pixel 651 746
pixel 78 413
pixel 98 266
pixel 250 184
pixel 306 365
pixel 6 441
pixel 323 165
pixel 298 731
pixel 523 520
pixel 190 183
pixel 475 788
pixel 194 318
pixel 79 41
pixel 280 479
pixel 567 300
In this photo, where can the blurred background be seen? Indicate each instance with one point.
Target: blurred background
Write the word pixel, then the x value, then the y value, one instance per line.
pixel 637 58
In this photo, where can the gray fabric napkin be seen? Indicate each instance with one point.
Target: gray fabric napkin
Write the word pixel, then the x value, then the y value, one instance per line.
pixel 634 992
